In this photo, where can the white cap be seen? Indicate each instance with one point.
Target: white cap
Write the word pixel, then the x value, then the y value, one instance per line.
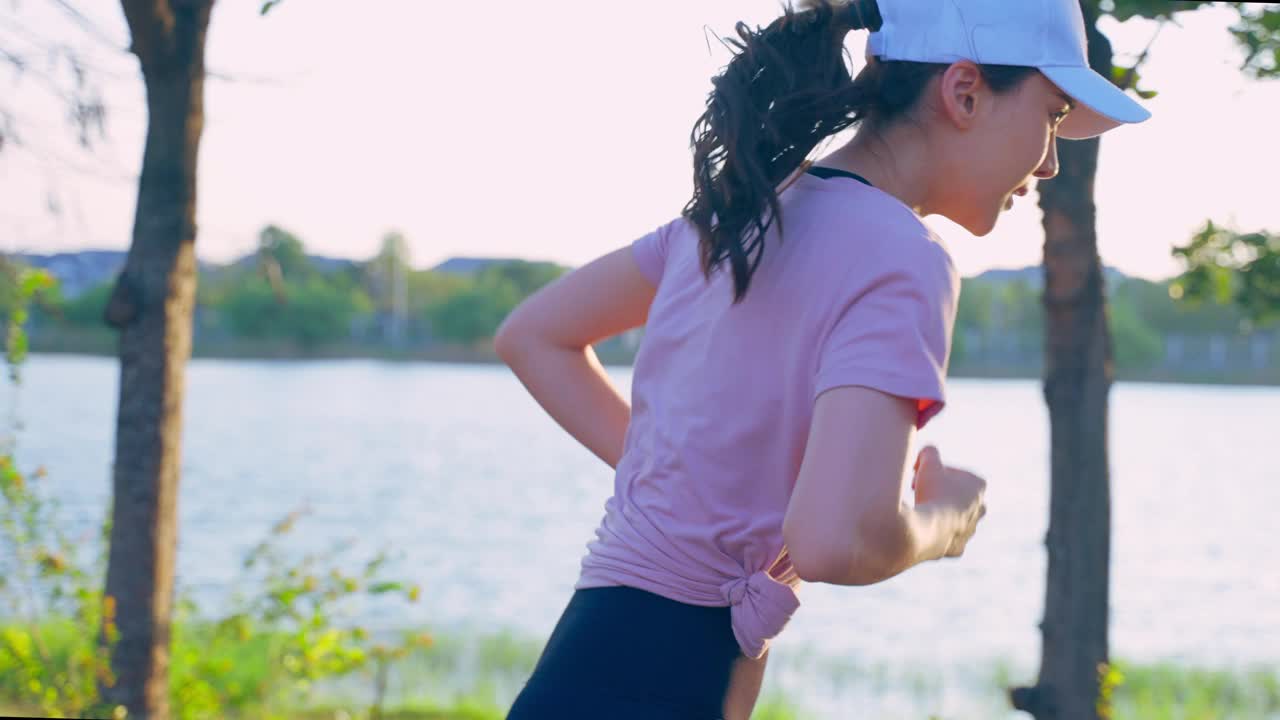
pixel 1044 34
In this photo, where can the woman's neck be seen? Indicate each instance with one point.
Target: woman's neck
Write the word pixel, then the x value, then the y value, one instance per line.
pixel 896 166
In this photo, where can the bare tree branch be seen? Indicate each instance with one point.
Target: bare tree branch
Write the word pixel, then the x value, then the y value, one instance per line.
pixel 51 83
pixel 55 162
pixel 89 26
pixel 15 60
pixel 233 77
pixel 1129 81
pixel 42 45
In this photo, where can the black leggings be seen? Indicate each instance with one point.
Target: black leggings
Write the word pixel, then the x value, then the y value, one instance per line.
pixel 624 654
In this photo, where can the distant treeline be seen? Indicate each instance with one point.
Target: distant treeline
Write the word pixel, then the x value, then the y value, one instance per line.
pixel 279 294
pixel 279 297
pixel 1000 324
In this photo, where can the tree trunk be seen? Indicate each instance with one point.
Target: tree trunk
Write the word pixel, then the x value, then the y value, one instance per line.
pixel 1078 374
pixel 151 304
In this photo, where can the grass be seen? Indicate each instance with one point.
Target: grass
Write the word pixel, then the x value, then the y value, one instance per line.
pixel 463 711
pixel 475 677
pixel 1164 691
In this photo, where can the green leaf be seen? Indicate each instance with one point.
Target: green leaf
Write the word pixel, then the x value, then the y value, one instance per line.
pixel 34 281
pixel 19 643
pixel 1224 266
pixel 1128 79
pixel 1258 34
pixel 1270 20
pixel 385 587
pixel 1122 10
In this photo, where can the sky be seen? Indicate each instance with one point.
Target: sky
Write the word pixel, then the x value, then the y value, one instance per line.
pixel 549 131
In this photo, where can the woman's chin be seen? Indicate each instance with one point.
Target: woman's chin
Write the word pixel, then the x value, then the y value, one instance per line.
pixel 979 226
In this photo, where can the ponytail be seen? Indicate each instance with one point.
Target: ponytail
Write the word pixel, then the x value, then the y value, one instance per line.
pixel 786 89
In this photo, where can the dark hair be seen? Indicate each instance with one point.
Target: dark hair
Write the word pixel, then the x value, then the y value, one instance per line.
pixel 786 89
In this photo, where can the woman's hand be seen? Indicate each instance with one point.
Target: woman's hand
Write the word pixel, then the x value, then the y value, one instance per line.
pixel 938 484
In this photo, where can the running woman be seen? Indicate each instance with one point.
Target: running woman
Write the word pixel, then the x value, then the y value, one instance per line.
pixel 798 318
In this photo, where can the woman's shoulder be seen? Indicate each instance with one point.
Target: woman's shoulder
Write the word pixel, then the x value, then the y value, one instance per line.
pixel 881 235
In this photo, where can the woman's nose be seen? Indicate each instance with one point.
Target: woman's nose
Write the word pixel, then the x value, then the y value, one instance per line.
pixel 1049 168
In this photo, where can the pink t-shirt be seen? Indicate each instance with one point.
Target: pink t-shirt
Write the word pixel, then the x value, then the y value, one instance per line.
pixel 860 292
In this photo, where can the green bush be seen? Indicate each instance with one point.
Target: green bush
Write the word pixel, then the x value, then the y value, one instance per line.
pixel 268 648
pixel 1136 345
pixel 47 660
pixel 310 312
pixel 87 309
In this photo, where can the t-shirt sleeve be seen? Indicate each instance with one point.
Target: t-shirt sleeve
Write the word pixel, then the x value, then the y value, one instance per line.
pixel 650 252
pixel 893 334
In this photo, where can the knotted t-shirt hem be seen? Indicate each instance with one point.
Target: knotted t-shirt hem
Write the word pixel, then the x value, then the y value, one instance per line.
pixel 759 605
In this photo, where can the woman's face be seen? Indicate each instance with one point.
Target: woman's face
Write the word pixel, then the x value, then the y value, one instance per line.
pixel 995 145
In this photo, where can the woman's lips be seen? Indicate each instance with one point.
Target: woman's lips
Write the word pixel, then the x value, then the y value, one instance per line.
pixel 1021 191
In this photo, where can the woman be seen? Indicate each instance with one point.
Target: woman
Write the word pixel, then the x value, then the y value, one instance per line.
pixel 798 319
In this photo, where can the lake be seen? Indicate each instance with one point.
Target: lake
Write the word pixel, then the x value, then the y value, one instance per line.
pixel 489 505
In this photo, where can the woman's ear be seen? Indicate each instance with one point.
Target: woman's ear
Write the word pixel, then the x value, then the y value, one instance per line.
pixel 962 91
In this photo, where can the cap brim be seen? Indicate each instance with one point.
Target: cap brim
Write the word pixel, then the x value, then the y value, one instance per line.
pixel 1100 105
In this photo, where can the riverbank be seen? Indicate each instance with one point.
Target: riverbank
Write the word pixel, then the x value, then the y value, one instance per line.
pixel 459 677
pixel 102 343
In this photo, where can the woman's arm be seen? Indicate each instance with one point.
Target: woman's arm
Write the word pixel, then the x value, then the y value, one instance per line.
pixel 547 341
pixel 847 522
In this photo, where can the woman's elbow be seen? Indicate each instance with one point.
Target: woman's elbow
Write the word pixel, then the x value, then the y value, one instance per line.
pixel 816 557
pixel 510 338
pixel 862 561
pixel 817 568
pixel 852 569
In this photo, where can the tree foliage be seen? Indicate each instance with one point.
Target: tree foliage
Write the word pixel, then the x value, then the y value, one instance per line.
pixel 1225 266
pixel 314 311
pixel 284 249
pixel 1257 30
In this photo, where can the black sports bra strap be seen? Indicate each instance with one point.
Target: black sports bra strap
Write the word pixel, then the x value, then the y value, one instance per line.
pixel 826 172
